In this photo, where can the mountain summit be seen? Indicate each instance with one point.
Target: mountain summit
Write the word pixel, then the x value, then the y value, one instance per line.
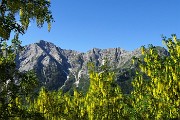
pixel 59 68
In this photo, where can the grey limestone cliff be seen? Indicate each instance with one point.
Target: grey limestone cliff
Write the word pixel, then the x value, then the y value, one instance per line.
pixel 59 68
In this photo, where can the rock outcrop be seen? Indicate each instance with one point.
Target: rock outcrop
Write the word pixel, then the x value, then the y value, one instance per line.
pixel 59 68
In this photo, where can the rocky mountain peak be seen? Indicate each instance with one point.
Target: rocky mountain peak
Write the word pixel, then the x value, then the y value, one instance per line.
pixel 58 67
pixel 44 43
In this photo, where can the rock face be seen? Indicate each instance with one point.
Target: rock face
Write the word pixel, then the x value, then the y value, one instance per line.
pixel 59 68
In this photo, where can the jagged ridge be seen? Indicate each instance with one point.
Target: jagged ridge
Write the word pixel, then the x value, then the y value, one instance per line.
pixel 59 68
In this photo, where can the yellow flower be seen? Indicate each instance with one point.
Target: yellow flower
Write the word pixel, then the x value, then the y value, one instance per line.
pixel 21 12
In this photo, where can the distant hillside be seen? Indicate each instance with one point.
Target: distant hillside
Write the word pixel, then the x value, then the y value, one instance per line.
pixel 58 68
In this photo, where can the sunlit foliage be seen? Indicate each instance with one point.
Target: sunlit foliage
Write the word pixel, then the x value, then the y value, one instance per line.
pixel 151 99
pixel 16 15
pixel 16 88
pixel 159 98
pixel 155 98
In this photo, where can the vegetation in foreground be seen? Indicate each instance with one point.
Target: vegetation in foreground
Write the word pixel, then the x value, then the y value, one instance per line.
pixel 157 98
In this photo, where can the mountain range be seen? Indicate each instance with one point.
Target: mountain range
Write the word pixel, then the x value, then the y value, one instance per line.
pixel 58 68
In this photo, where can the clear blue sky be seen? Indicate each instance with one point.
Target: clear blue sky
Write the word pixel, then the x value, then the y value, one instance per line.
pixel 84 24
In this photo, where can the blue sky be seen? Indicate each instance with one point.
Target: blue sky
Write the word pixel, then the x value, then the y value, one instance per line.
pixel 84 24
